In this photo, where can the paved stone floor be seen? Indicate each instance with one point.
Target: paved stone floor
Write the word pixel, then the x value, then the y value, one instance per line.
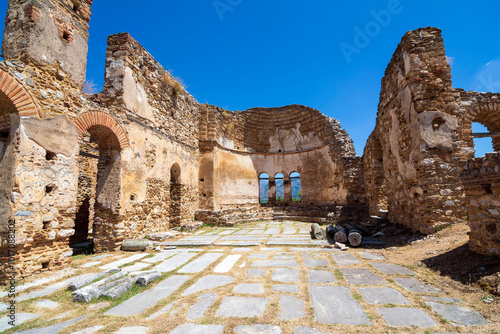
pixel 268 278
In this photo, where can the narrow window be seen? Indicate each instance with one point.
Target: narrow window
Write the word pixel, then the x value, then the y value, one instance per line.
pixel 482 143
pixel 280 193
pixel 264 188
pixel 296 187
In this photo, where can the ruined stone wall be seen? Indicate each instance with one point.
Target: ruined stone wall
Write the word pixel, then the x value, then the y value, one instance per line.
pixel 481 179
pixel 354 180
pixel 45 32
pixel 161 121
pixel 417 127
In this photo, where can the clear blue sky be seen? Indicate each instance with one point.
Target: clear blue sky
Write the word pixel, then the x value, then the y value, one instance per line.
pixel 272 53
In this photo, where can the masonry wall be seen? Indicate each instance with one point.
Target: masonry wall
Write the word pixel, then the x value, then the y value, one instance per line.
pixel 481 179
pixel 417 129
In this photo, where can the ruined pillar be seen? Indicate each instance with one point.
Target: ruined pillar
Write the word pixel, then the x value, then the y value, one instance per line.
pixel 272 190
pixel 287 188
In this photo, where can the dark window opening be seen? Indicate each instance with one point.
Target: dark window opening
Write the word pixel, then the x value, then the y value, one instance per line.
pixel 46 225
pixel 481 145
pixel 202 180
pixel 49 189
pixel 4 134
pixel 50 156
pixel 66 36
pixel 133 197
pixel 487 188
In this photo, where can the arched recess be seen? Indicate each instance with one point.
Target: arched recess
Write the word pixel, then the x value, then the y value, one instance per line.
pixel 176 196
pixel 18 95
pixel 99 181
pixel 9 122
pixel 296 187
pixel 280 191
pixel 263 188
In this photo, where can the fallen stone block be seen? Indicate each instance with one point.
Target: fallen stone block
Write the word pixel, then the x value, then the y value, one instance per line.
pixel 86 294
pixel 133 245
pixel 145 280
pixel 119 290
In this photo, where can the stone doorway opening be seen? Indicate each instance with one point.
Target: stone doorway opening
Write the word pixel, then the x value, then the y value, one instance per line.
pixel 176 192
pixel 99 191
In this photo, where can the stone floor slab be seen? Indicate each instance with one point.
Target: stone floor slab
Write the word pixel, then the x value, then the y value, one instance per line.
pixel 52 288
pixel 313 249
pixel 162 311
pixel 208 282
pixel 197 310
pixel 121 262
pixel 392 269
pixel 321 277
pixel 226 264
pixel 458 314
pixel 132 330
pixel 200 263
pixel 275 263
pixel 249 288
pixel 406 317
pixel 335 305
pixel 371 256
pixel 89 330
pixel 174 262
pixel 53 328
pixel 198 329
pixel 20 319
pixel 291 308
pixel 286 275
pixel 257 329
pixel 285 288
pixel 311 263
pixel 90 264
pixel 383 296
pixel 160 257
pixel 242 307
pixel 362 276
pixel 444 299
pixel 259 256
pixel 345 259
pixel 144 300
pixel 252 272
pixel 271 249
pixel 46 304
pixel 135 267
pixel 413 285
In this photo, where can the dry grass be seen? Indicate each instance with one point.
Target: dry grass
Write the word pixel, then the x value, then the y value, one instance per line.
pixel 175 83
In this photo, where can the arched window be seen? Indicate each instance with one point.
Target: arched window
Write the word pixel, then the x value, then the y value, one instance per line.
pixel 264 188
pixel 482 143
pixel 280 193
pixel 175 173
pixel 296 187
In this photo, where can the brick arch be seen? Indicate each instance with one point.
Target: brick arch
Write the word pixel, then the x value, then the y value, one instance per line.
pixel 93 118
pixel 19 96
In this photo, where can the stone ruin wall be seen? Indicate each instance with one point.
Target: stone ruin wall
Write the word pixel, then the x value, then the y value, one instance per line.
pixel 481 179
pixel 417 131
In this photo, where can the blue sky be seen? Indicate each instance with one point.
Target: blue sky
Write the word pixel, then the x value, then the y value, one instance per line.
pixel 240 54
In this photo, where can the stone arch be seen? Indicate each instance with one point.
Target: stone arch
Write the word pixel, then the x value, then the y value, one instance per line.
pixel 97 118
pixel 18 95
pixel 264 188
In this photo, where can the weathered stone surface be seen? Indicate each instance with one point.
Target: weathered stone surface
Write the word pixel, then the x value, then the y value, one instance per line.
pixel 53 328
pixel 198 309
pixel 285 288
pixel 444 299
pixel 174 262
pixel 89 330
pixel 321 277
pixel 415 286
pixel 120 289
pixel 291 308
pixel 257 329
pixel 242 307
pixel 200 263
pixel 252 272
pixel 20 318
pixel 146 279
pixel 135 245
pixel 307 330
pixel 208 282
pixel 121 262
pixel 402 317
pixel 389 268
pixel 334 305
pixel 198 329
pixel 226 264
pixel 383 296
pixel 162 311
pixel 361 276
pixel 249 288
pixel 275 263
pixel 46 304
pixel 458 314
pixel 286 275
pixel 133 330
pixel 346 259
pixel 259 256
pixel 135 267
pixel 315 263
pixel 140 302
pixel 371 256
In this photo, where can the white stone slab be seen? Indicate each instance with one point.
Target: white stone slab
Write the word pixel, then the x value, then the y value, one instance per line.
pixel 121 262
pixel 228 263
pixel 200 263
pixel 174 262
pixel 135 267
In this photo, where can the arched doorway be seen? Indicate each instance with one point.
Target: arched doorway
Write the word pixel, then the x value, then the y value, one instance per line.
pixel 263 188
pixel 99 183
pixel 176 192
